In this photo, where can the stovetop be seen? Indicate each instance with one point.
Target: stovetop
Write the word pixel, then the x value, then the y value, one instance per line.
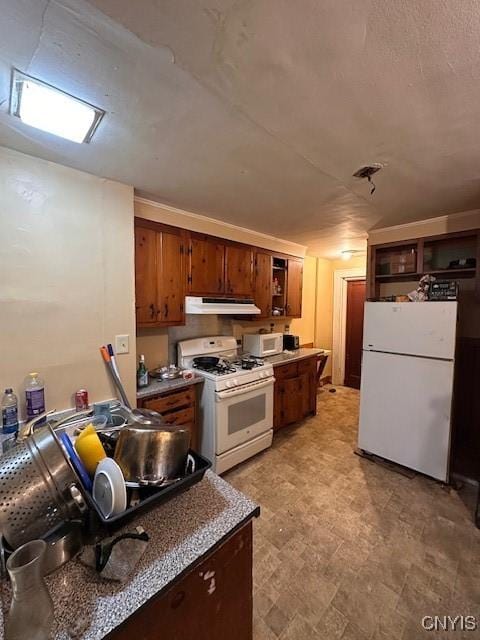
pixel 237 365
pixel 220 369
pixel 228 373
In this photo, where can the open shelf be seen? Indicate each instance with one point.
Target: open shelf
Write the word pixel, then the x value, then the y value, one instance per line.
pixel 449 256
pixel 399 276
pixel 467 272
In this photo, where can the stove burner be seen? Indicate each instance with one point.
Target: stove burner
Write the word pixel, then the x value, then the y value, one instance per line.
pixel 248 362
pixel 220 369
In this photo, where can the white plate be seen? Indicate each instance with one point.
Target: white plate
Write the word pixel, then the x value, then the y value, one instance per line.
pixel 109 490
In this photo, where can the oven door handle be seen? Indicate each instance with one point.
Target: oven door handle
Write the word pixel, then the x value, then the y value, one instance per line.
pixel 251 386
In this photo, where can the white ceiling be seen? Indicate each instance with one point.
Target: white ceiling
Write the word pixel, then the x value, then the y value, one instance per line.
pixel 257 112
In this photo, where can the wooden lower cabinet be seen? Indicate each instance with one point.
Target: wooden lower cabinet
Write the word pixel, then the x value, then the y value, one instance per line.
pixel 295 392
pixel 177 408
pixel 212 601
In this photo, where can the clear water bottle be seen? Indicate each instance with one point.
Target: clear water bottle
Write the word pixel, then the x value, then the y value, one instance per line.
pixel 9 412
pixel 34 395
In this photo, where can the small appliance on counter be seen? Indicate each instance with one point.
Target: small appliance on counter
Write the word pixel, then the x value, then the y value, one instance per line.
pixel 443 290
pixel 291 342
pixel 262 345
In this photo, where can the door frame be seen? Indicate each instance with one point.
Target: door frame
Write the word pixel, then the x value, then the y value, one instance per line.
pixel 341 277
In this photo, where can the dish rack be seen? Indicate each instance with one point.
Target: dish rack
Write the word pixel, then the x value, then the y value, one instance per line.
pixel 149 497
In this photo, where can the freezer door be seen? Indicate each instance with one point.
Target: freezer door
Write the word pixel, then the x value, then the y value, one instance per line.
pixel 405 405
pixel 417 328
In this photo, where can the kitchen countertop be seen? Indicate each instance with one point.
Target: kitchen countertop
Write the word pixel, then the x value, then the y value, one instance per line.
pixel 156 387
pixel 298 354
pixel 181 532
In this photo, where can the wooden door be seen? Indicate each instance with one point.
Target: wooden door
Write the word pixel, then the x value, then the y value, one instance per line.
pixel 239 271
pixel 206 266
pixel 263 284
pixel 292 401
pixel 211 601
pixel 279 394
pixel 354 332
pixel 145 276
pixel 309 367
pixel 170 278
pixel 304 394
pixel 294 288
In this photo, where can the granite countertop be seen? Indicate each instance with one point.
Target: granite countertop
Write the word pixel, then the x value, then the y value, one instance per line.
pixel 181 532
pixel 157 387
pixel 298 354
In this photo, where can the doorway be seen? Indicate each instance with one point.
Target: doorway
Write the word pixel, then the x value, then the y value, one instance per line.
pixel 354 332
pixel 341 278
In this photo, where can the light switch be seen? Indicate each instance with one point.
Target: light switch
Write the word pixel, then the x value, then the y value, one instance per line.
pixel 122 344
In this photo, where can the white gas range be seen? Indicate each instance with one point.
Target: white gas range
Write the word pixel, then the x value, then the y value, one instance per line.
pixel 236 403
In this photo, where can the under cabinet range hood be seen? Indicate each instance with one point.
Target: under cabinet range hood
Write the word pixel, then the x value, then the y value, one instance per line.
pixel 225 306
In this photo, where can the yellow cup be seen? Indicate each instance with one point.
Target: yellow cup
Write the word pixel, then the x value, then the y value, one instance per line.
pixel 90 449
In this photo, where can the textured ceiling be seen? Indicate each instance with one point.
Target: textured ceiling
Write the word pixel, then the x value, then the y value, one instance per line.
pixel 257 112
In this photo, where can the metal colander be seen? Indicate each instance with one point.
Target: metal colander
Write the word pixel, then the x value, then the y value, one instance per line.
pixel 37 489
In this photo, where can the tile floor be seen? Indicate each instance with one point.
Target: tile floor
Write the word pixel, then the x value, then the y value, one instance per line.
pixel 348 549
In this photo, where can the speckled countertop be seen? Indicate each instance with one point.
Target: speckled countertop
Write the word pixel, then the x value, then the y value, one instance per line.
pixel 156 387
pixel 298 354
pixel 181 532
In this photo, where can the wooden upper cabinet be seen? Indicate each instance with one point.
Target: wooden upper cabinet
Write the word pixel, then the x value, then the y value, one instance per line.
pixel 263 284
pixel 145 275
pixel 159 275
pixel 171 262
pixel 294 288
pixel 206 266
pixel 170 278
pixel 238 270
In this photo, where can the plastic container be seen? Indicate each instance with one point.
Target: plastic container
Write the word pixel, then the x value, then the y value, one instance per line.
pixel 34 395
pixel 9 412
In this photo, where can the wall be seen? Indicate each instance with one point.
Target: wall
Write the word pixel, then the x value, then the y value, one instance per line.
pixel 67 277
pixel 324 300
pixel 324 309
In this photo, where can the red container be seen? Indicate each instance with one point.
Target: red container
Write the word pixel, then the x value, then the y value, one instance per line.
pixel 81 400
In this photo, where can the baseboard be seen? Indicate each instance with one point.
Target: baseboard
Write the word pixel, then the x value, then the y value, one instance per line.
pixel 325 380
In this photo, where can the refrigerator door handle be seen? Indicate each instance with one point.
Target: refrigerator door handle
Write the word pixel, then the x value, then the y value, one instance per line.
pixel 409 355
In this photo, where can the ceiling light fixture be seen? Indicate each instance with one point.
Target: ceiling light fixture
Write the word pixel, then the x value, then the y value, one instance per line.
pixel 47 108
pixel 348 253
pixel 367 172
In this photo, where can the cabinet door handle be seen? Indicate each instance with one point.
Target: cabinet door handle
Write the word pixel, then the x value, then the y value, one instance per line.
pixel 166 310
pixel 219 284
pixel 152 311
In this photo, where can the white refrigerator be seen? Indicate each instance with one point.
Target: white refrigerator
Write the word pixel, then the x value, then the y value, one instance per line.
pixel 407 384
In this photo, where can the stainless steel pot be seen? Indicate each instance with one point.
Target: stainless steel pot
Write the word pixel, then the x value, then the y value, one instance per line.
pixel 152 455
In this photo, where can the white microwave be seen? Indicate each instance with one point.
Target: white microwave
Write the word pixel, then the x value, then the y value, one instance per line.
pixel 262 345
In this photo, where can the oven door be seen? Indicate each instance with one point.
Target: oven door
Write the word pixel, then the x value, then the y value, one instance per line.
pixel 243 413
